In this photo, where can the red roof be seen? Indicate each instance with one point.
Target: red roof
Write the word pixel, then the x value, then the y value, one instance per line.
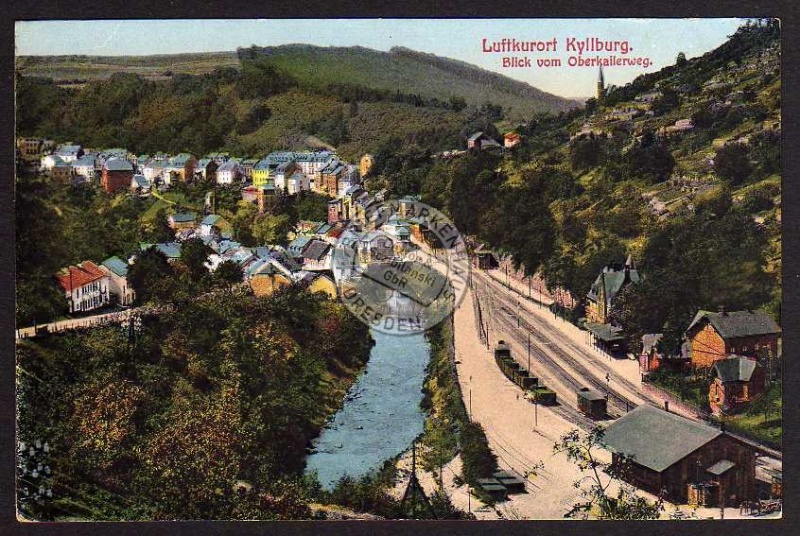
pixel 77 276
pixel 336 232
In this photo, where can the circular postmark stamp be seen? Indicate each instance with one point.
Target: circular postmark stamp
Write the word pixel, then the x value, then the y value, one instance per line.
pixel 401 266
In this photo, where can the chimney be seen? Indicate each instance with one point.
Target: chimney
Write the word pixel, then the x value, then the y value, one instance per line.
pixel 666 406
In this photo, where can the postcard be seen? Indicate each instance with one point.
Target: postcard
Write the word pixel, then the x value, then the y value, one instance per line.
pixel 383 269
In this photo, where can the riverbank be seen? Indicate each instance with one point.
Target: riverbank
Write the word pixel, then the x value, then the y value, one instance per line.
pixel 380 416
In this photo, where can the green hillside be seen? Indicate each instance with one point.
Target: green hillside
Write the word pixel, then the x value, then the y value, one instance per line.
pixel 412 72
pixel 78 69
pixel 400 69
pixel 680 169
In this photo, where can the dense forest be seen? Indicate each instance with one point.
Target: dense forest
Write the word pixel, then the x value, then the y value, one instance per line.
pixel 162 421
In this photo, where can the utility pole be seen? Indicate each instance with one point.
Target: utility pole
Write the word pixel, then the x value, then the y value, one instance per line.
pixel 415 493
pixel 529 352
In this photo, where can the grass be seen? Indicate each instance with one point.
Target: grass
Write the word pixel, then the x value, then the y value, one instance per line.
pixel 149 215
pixel 61 68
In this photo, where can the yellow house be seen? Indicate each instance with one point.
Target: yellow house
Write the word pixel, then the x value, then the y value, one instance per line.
pixel 260 174
pixel 265 284
pixel 323 283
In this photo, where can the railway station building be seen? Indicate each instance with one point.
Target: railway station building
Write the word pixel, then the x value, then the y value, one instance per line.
pixel 673 456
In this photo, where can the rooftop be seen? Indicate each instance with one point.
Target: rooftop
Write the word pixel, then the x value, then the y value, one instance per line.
pixel 184 217
pixel 613 278
pixel 735 368
pixel 677 437
pixel 211 219
pixel 118 164
pixel 735 324
pixel 84 273
pixel 116 265
pixel 316 250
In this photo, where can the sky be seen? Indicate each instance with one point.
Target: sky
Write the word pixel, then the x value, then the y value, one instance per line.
pixel 651 43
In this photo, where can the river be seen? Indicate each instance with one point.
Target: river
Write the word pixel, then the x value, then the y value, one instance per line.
pixel 381 415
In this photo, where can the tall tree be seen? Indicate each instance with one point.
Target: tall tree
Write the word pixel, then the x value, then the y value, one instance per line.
pixel 598 500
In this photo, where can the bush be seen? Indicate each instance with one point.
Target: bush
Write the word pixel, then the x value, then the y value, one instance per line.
pixel 478 459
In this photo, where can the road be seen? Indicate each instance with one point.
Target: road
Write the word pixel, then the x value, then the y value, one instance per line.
pixel 519 433
pixel 116 317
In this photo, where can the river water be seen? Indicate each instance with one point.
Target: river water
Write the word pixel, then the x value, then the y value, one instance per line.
pixel 381 415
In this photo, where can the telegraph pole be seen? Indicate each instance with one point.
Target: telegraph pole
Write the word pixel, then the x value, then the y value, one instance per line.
pixel 529 351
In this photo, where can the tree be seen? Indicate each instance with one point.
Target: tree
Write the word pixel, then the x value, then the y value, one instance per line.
pixel 228 273
pixel 652 162
pixel 271 229
pixel 585 153
pixel 668 100
pixel 478 459
pixel 151 276
pixel 732 163
pixel 680 61
pixel 581 449
pixel 194 255
pixel 193 460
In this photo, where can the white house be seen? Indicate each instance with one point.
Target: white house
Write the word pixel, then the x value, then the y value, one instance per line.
pixel 298 182
pixel 282 174
pixel 48 161
pixel 84 167
pixel 153 170
pixel 228 172
pixel 117 271
pixel 69 153
pixel 85 286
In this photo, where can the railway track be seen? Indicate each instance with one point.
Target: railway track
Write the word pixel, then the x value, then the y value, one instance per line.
pixel 556 371
pixel 544 346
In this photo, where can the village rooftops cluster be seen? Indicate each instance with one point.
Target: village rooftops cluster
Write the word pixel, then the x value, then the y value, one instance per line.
pixel 119 170
pixel 718 342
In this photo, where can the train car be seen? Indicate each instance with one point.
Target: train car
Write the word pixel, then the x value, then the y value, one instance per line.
pixel 502 350
pixel 544 396
pixel 592 403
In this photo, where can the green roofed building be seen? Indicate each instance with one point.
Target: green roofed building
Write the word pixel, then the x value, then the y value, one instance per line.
pixel 669 454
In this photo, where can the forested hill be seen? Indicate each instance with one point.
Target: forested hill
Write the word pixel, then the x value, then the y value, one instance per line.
pixel 408 71
pixel 680 169
pixel 259 100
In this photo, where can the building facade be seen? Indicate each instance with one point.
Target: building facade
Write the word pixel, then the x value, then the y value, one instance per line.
pixel 85 286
